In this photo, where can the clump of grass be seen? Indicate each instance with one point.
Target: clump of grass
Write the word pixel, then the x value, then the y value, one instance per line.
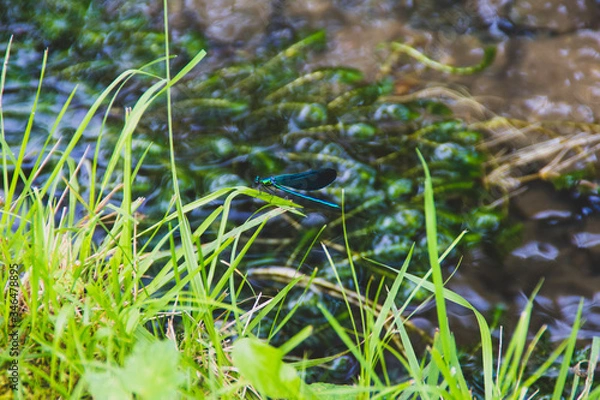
pixel 85 311
pixel 381 330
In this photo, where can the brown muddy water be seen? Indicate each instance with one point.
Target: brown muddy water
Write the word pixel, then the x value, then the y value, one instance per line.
pixel 547 68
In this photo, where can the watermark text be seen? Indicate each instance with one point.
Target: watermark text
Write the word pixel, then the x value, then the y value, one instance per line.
pixel 13 320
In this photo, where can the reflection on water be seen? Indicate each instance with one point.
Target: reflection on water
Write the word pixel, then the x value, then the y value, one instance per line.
pixel 536 250
pixel 559 246
pixel 586 240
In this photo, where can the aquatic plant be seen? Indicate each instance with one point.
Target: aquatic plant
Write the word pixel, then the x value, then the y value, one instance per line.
pixel 285 114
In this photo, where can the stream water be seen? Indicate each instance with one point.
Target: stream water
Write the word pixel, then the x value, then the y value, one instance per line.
pixel 547 68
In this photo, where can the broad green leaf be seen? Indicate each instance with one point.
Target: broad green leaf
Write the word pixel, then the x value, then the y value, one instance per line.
pixel 262 365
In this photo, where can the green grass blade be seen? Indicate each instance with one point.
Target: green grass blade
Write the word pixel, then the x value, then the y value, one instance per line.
pixel 561 380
